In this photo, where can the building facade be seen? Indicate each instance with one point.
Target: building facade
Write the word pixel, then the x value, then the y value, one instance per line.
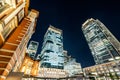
pixel 29 66
pixel 73 68
pixel 105 71
pixel 66 57
pixel 52 49
pixel 103 45
pixel 32 49
pixel 16 28
pixel 52 73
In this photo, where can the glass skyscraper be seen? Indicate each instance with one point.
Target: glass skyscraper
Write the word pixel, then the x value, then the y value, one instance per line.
pixel 52 50
pixel 103 45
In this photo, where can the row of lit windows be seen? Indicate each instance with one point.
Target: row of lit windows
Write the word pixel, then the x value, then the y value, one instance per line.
pixel 9 27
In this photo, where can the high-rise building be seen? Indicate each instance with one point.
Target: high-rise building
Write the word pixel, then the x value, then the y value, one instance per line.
pixel 103 45
pixel 16 28
pixel 32 49
pixel 52 49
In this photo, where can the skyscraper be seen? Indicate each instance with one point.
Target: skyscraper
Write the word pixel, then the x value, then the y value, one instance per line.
pixel 103 45
pixel 32 49
pixel 16 28
pixel 52 49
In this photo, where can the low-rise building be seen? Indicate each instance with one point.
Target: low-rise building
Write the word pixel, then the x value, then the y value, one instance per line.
pixel 52 73
pixel 73 68
pixel 106 71
pixel 29 66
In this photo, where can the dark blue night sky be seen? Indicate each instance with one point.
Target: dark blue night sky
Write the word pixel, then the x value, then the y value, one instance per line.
pixel 69 15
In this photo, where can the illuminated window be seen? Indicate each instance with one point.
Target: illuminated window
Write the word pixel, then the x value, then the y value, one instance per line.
pixel 20 15
pixel 23 69
pixel 6 31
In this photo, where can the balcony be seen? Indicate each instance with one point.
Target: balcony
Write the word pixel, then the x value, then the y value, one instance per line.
pixel 49 39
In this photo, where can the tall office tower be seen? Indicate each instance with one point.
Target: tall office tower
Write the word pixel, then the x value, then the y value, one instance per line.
pixel 32 49
pixel 16 28
pixel 52 49
pixel 103 45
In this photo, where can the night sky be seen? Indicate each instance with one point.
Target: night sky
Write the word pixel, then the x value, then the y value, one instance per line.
pixel 69 15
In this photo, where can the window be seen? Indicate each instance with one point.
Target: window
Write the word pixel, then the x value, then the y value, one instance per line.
pixel 18 1
pixel 6 31
pixel 60 49
pixel 20 15
pixel 49 46
pixel 1 3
